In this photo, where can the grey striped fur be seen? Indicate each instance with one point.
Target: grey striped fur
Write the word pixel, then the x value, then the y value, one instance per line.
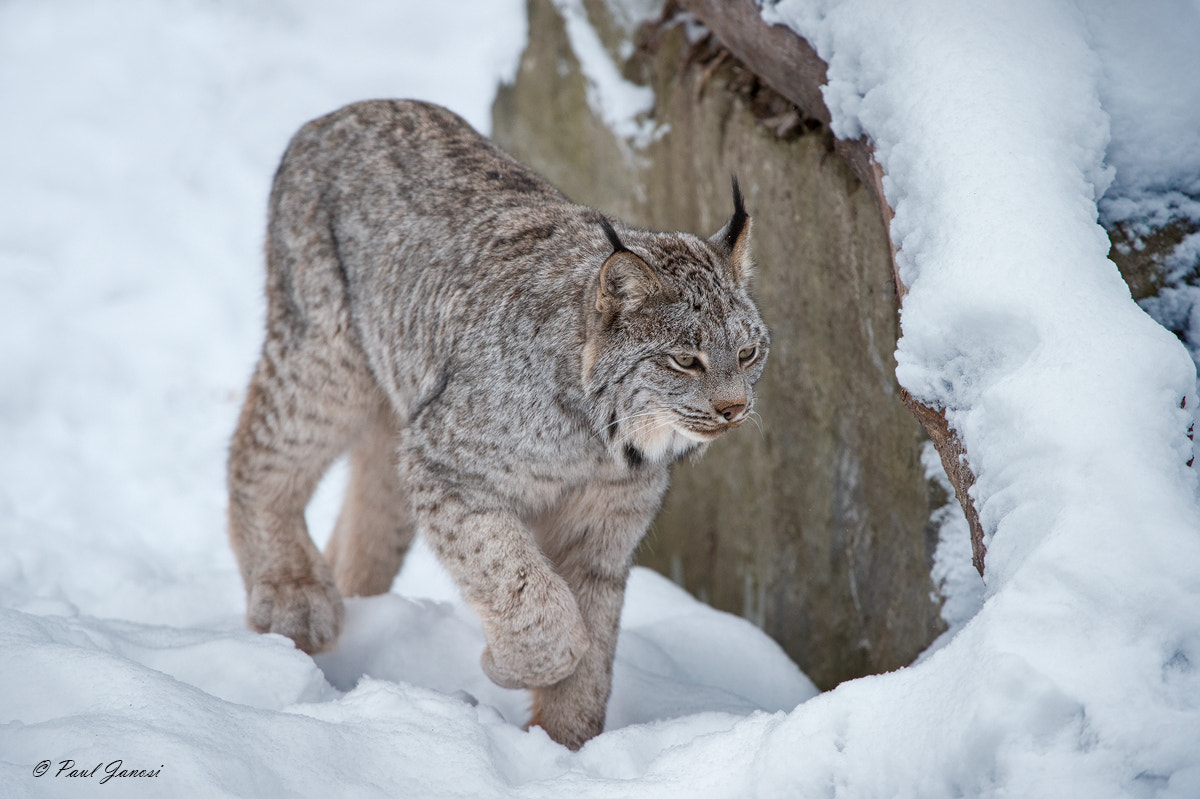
pixel 510 375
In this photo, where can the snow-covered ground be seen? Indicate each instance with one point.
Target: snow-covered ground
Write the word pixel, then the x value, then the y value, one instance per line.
pixel 136 149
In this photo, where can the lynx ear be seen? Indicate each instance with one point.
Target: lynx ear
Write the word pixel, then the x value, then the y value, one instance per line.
pixel 734 238
pixel 625 279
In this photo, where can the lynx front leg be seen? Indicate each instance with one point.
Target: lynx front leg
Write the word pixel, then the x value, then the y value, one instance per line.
pixel 534 630
pixel 572 710
pixel 592 540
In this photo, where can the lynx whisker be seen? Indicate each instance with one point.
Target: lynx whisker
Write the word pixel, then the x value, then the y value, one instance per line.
pixel 624 419
pixel 647 428
pixel 649 425
pixel 757 419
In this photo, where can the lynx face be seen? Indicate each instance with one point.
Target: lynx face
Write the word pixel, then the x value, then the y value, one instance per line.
pixel 677 339
pixel 695 389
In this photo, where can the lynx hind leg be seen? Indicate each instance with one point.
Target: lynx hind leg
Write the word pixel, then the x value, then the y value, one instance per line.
pixel 304 405
pixel 375 526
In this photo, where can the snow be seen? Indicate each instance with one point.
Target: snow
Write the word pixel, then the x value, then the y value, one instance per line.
pixel 953 570
pixel 619 103
pixel 1149 64
pixel 136 156
pixel 991 124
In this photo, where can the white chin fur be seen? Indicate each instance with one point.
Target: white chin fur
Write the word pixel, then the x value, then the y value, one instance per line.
pixel 663 439
pixel 668 441
pixel 700 438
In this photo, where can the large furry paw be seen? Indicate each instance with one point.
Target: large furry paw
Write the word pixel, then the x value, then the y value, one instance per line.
pixel 309 611
pixel 539 641
pixel 571 713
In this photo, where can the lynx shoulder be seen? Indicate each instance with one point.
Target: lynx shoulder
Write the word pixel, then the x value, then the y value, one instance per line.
pixel 511 374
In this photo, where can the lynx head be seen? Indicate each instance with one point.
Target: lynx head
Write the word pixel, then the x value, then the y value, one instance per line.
pixel 674 342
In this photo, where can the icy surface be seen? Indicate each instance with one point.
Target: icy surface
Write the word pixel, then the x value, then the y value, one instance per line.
pixel 135 158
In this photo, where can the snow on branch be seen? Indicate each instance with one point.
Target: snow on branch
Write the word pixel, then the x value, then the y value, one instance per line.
pixel 789 65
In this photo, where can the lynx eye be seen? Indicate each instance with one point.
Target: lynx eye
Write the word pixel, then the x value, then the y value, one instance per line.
pixel 686 363
pixel 747 355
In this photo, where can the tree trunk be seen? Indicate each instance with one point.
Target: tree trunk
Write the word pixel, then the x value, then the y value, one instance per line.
pixel 790 66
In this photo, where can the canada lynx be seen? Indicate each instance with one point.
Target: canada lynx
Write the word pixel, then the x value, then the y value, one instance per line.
pixel 511 374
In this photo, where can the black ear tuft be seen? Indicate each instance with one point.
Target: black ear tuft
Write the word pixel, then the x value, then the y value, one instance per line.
pixel 613 238
pixel 733 240
pixel 737 223
pixel 626 281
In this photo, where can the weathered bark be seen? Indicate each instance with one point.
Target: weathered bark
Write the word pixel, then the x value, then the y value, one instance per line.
pixel 1142 258
pixel 954 461
pixel 789 65
pixel 784 61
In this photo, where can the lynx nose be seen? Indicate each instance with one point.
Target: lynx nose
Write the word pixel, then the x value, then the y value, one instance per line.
pixel 730 410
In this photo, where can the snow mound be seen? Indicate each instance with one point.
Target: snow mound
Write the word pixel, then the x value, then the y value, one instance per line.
pixel 989 120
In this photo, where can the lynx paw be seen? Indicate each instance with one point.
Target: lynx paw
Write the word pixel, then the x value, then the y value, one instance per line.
pixel 308 611
pixel 540 642
pixel 570 713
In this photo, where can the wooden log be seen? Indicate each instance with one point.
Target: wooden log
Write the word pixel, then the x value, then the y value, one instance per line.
pixel 787 63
